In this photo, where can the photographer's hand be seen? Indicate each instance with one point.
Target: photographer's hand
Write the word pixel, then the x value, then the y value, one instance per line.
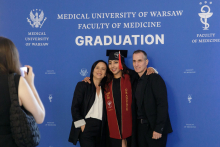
pixel 29 77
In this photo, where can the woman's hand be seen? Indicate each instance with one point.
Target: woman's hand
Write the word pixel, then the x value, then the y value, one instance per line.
pixel 83 127
pixel 87 80
pixel 29 76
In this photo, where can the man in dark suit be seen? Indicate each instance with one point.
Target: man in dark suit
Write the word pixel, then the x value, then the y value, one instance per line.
pixel 153 123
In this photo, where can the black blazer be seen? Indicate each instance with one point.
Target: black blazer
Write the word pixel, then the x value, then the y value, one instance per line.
pixel 155 104
pixel 83 99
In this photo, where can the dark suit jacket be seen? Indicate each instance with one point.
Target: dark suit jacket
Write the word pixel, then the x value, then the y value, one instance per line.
pixel 155 104
pixel 83 99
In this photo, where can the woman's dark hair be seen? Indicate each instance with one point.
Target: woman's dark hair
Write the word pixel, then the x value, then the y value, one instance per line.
pixel 9 57
pixel 110 75
pixel 103 81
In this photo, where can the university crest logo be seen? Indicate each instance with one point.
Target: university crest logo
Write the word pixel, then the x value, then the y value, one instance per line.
pixel 36 20
pixel 83 72
pixel 205 9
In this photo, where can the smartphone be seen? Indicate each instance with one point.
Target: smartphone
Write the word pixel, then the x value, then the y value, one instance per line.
pixel 24 69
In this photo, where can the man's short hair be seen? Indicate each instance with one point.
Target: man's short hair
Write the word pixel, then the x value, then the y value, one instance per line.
pixel 141 51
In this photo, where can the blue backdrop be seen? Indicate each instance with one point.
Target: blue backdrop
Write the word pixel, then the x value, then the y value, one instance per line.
pixel 61 40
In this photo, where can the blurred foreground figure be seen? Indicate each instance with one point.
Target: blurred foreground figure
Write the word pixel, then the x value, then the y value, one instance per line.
pixel 28 97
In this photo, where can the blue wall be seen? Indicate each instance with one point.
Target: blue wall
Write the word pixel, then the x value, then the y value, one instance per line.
pixel 180 45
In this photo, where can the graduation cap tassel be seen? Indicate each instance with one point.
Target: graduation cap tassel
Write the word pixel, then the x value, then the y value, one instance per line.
pixel 120 64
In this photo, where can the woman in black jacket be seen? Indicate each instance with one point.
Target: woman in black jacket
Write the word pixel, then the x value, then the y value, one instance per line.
pixel 88 109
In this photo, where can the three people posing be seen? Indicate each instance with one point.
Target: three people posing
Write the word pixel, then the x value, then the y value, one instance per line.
pixel 122 106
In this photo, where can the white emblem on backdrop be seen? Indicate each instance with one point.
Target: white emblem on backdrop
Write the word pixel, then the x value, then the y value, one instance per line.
pixel 189 98
pixel 190 126
pixel 50 72
pixel 50 124
pixel 189 71
pixel 36 20
pixel 50 97
pixel 205 15
pixel 83 72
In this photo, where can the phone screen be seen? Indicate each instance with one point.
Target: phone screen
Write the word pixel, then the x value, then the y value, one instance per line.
pixel 23 69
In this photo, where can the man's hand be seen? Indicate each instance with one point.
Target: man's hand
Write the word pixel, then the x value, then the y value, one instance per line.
pixel 87 80
pixel 150 70
pixel 156 135
pixel 83 127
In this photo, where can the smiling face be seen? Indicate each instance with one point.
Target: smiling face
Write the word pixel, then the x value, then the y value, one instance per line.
pixel 114 68
pixel 99 71
pixel 140 63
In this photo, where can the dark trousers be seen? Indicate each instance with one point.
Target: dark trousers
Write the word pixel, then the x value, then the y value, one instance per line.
pixel 145 137
pixel 118 142
pixel 91 136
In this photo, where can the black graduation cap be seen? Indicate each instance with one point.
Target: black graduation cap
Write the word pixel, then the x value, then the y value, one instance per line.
pixel 113 54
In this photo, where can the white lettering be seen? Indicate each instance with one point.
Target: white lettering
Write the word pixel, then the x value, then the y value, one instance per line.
pixel 114 39
pixel 166 13
pixel 109 40
pixel 98 41
pixel 81 42
pixel 127 40
pixel 59 16
pixel 117 40
pixel 135 38
pixel 88 40
pixel 158 38
pixel 152 39
pixel 36 33
pixel 73 16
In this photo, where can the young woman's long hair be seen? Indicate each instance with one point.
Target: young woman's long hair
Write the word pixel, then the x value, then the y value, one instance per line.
pixel 103 81
pixel 110 75
pixel 9 57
